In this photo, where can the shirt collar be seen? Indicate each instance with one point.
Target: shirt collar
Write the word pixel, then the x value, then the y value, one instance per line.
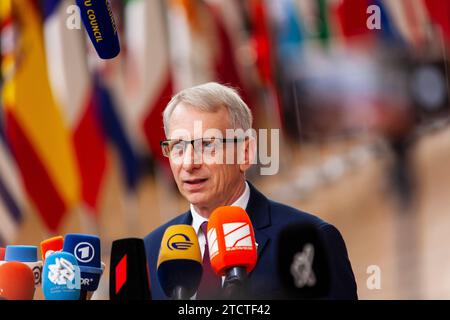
pixel 242 202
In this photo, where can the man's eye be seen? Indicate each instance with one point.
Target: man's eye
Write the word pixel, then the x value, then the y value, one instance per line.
pixel 178 147
pixel 208 143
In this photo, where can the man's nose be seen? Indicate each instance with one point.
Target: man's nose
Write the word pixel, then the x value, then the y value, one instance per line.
pixel 191 159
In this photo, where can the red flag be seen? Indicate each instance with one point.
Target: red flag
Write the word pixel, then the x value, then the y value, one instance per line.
pixel 439 11
pixel 225 63
pixel 261 42
pixel 352 17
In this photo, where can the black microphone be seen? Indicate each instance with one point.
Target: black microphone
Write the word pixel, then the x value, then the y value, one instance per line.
pixel 303 263
pixel 99 22
pixel 128 278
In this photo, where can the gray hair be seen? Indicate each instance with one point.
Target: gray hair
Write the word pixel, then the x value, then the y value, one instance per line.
pixel 209 97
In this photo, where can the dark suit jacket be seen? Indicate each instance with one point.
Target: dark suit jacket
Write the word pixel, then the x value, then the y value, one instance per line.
pixel 268 219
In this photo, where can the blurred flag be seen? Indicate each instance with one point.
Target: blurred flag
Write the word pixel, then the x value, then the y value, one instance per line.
pixel 410 19
pixel 74 92
pixel 202 47
pixel 226 70
pixel 314 16
pixel 224 36
pixel 11 197
pixel 190 50
pixel 439 12
pixel 147 45
pixel 289 32
pixel 388 30
pixel 323 25
pixel 262 44
pixel 34 126
pixel 352 17
pixel 11 194
pixel 111 87
pixel 261 40
pixel 117 134
pixel 290 53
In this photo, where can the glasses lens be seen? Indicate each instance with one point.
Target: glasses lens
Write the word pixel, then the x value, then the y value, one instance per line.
pixel 208 143
pixel 177 148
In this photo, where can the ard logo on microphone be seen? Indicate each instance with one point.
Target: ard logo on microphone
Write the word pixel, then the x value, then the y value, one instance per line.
pixel 179 241
pixel 84 252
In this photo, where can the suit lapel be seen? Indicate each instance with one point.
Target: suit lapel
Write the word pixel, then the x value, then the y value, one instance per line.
pixel 185 218
pixel 261 241
pixel 258 209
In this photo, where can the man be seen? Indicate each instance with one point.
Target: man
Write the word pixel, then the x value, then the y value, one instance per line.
pixel 195 122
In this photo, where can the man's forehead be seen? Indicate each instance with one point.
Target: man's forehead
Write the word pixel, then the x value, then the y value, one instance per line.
pixel 189 121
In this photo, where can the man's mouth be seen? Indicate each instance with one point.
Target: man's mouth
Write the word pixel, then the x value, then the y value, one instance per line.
pixel 194 183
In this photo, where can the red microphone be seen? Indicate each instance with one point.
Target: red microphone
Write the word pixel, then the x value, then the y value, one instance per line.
pixel 232 248
pixel 16 281
pixel 51 245
pixel 2 254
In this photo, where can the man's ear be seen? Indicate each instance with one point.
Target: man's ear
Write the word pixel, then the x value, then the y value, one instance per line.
pixel 247 153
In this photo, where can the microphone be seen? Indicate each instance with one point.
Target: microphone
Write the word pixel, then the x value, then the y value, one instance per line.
pixel 303 264
pixel 16 281
pixel 51 245
pixel 99 22
pixel 232 249
pixel 2 254
pixel 61 277
pixel 86 249
pixel 21 253
pixel 179 262
pixel 28 256
pixel 128 276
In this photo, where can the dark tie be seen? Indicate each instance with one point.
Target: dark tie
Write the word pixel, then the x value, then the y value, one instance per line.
pixel 211 284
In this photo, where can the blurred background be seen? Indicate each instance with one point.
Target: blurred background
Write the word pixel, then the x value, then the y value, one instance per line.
pixel 358 88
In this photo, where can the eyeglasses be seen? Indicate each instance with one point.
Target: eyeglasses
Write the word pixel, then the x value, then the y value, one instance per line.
pixel 175 148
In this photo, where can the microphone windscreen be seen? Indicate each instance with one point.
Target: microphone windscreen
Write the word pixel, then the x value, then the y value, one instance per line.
pixel 51 245
pixel 61 278
pixel 21 253
pixel 86 249
pixel 99 22
pixel 128 277
pixel 231 239
pixel 16 281
pixel 303 264
pixel 2 254
pixel 28 256
pixel 179 260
